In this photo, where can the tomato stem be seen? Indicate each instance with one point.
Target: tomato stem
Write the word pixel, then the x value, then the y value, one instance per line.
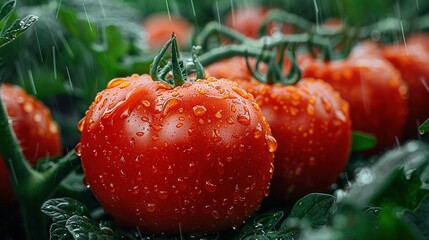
pixel 178 76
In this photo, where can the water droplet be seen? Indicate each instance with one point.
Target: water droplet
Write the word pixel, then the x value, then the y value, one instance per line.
pixel 190 131
pixel 220 167
pixel 139 134
pixel 81 124
pixel 174 93
pixel 199 110
pixel 124 84
pixel 257 133
pixel 230 210
pixel 162 194
pixel 240 92
pixel 210 187
pixel 192 167
pixel 243 119
pixel 229 120
pixel 78 149
pixel 28 107
pixel 216 135
pixel 179 125
pixel 85 182
pixel 201 91
pixel 146 103
pixel 272 143
pixel 150 207
pixel 156 127
pixel 98 98
pixel 115 82
pixel 218 114
pixel 155 137
pixel 233 108
pixel 215 214
pixel 135 190
pixel 310 109
pixel 293 111
pixel 170 104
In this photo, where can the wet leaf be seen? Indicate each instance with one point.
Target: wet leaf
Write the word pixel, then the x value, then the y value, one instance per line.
pixel 83 228
pixel 6 9
pixel 60 209
pixel 16 29
pixel 419 218
pixel 425 126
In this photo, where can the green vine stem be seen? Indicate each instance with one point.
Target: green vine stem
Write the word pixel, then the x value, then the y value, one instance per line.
pixel 277 15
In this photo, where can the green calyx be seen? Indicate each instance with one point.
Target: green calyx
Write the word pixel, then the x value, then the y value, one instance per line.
pixel 175 71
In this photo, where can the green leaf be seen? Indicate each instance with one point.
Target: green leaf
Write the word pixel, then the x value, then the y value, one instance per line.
pixel 58 231
pixel 60 209
pixel 404 191
pixel 6 9
pixel 315 208
pixel 260 225
pixel 16 29
pixel 83 228
pixel 425 126
pixel 362 141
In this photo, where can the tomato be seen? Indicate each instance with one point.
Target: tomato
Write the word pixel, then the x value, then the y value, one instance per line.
pixel 34 128
pixel 249 19
pixel 311 124
pixel 374 89
pixel 412 62
pixel 194 158
pixel 159 28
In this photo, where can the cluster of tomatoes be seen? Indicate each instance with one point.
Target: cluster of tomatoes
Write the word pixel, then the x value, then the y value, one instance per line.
pixel 160 157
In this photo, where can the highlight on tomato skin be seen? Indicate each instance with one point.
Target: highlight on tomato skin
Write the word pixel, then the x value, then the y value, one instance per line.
pixel 374 89
pixel 158 29
pixel 311 124
pixel 34 128
pixel 194 158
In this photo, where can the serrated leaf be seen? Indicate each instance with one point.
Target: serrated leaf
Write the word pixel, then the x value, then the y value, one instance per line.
pixel 314 207
pixel 58 231
pixel 83 228
pixel 6 9
pixel 61 209
pixel 16 29
pixel 362 141
pixel 418 219
pixel 424 127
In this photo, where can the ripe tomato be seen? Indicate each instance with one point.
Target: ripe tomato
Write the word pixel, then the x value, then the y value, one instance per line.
pixel 311 124
pixel 412 62
pixel 195 158
pixel 159 27
pixel 373 88
pixel 34 128
pixel 248 20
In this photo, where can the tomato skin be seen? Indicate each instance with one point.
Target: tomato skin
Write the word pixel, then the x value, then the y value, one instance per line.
pixel 159 28
pixel 375 91
pixel 34 128
pixel 311 124
pixel 412 63
pixel 196 158
pixel 249 19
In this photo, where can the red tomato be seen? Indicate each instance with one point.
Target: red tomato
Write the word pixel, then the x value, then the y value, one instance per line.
pixel 248 20
pixel 373 88
pixel 412 62
pixel 159 28
pixel 311 124
pixel 34 128
pixel 195 158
